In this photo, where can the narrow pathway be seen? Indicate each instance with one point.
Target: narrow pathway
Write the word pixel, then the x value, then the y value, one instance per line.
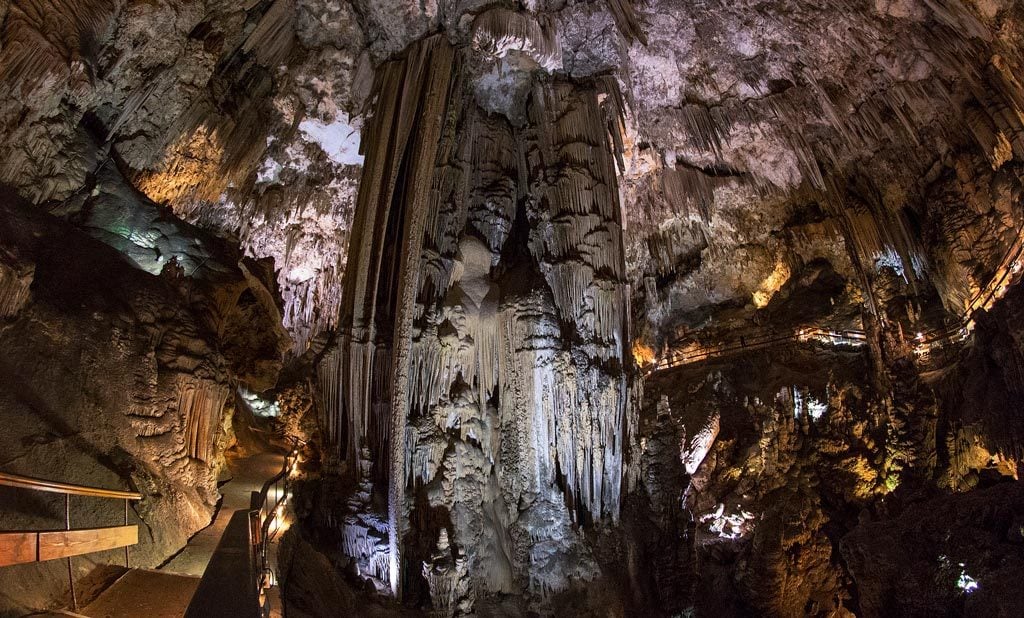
pixel 166 593
pixel 247 476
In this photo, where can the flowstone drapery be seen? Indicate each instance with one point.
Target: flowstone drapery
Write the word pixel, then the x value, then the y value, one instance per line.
pixel 481 357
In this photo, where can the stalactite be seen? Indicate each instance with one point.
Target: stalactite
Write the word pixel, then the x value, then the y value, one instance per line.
pixel 44 37
pixel 578 235
pixel 500 31
pixel 329 384
pixel 272 38
pixel 626 20
pixel 200 404
pixel 15 280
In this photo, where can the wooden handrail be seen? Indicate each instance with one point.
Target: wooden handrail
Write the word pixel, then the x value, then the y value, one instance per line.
pixel 22 547
pixel 26 482
pixel 232 582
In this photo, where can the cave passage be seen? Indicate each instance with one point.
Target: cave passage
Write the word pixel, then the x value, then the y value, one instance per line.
pixel 522 308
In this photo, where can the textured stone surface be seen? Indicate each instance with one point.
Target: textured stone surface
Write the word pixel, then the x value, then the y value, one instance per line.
pixel 466 248
pixel 113 377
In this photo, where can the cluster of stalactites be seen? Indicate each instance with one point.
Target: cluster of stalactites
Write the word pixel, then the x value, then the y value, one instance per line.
pixel 500 31
pixel 969 62
pixel 567 411
pixel 571 417
pixel 358 379
pixel 44 37
pixel 458 375
pixel 200 405
pixel 576 226
pixel 364 535
pixel 354 380
pixel 311 306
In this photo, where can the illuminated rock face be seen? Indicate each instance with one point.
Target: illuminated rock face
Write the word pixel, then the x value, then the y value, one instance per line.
pixel 480 215
pixel 118 378
pixel 485 315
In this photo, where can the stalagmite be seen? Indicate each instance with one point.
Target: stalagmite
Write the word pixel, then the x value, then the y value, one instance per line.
pixel 448 579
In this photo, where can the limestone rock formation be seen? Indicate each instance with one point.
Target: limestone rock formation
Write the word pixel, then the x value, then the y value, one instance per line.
pixel 115 377
pixel 590 307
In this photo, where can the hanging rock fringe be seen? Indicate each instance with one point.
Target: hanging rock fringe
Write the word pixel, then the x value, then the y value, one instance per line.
pixel 200 404
pixel 15 280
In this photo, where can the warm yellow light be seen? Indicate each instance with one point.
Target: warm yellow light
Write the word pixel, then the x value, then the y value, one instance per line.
pixel 772 284
pixel 190 169
pixel 643 354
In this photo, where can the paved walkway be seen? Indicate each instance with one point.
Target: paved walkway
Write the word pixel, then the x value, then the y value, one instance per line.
pixel 166 593
pixel 248 475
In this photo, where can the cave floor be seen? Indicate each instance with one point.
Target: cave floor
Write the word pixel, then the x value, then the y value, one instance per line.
pixel 247 475
pixel 167 592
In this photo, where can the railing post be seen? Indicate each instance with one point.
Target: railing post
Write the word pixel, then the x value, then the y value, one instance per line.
pixel 126 523
pixel 71 575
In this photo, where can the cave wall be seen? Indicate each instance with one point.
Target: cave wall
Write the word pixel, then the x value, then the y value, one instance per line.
pixel 116 377
pixel 790 486
pixel 455 193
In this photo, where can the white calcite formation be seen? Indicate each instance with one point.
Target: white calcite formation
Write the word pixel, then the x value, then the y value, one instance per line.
pixel 447 576
pixel 482 356
pixel 364 533
pixel 693 451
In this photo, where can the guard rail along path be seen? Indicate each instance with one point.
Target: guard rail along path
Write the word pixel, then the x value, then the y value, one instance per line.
pixel 239 572
pixel 19 547
pixel 1006 275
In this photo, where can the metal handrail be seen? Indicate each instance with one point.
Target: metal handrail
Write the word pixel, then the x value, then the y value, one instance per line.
pixel 240 561
pixel 1010 268
pixel 27 482
pixel 282 493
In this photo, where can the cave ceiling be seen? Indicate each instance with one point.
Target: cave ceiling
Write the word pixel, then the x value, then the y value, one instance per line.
pixel 766 148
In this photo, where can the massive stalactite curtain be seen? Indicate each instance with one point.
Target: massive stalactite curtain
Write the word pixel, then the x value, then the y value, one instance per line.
pixel 484 324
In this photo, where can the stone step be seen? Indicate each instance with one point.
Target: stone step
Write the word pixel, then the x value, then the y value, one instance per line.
pixel 144 593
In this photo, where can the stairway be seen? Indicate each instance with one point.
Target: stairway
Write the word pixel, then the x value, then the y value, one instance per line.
pixel 146 594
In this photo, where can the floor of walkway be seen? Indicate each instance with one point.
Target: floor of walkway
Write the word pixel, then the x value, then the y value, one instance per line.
pixel 166 593
pixel 247 475
pixel 142 593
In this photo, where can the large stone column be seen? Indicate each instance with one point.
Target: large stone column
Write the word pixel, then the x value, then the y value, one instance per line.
pixel 482 353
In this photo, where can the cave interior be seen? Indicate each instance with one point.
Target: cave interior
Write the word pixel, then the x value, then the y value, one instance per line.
pixel 511 308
